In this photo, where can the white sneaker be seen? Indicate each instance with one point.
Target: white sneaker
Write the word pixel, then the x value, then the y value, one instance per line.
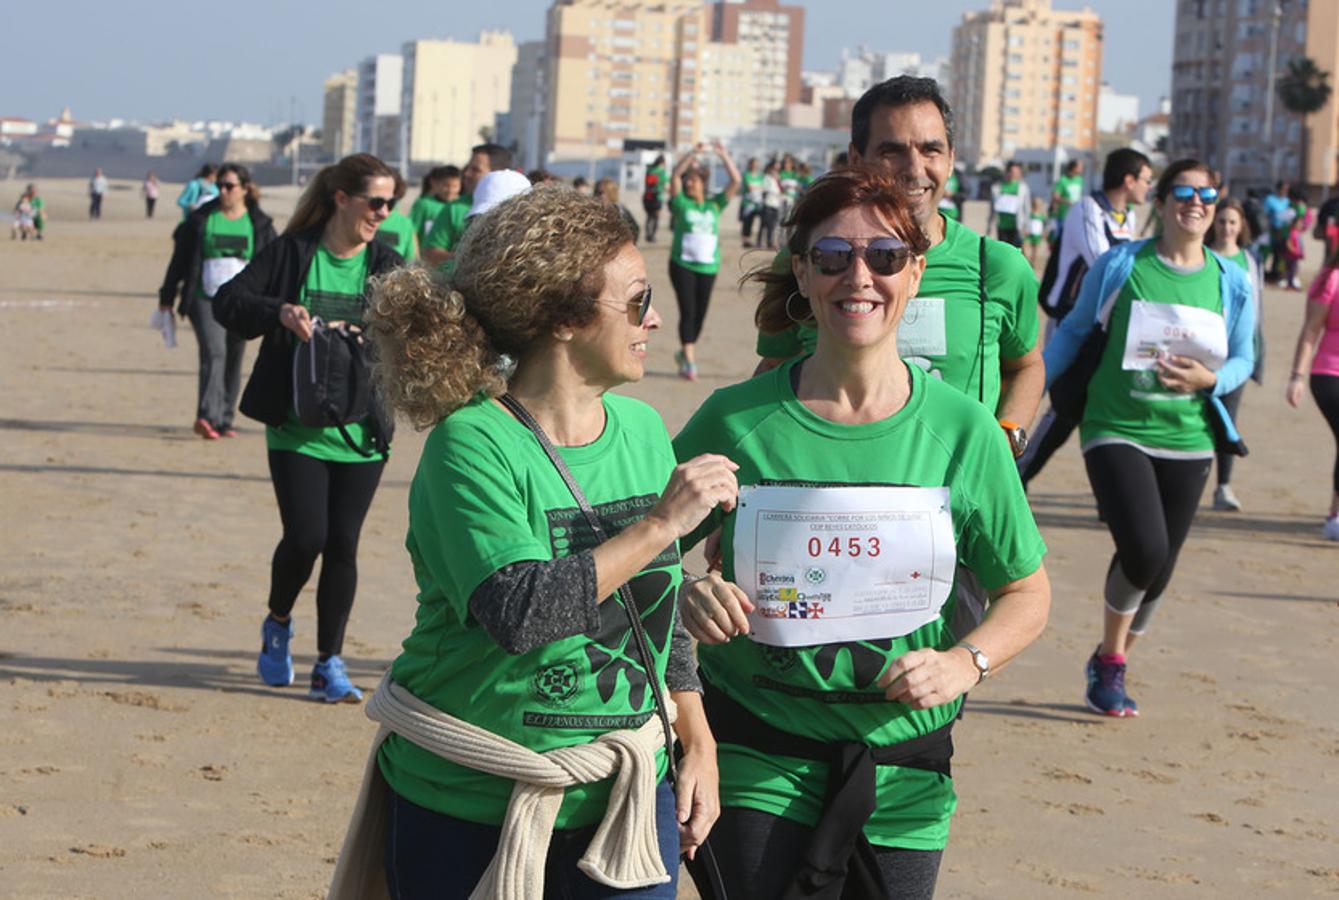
pixel 1331 529
pixel 1224 499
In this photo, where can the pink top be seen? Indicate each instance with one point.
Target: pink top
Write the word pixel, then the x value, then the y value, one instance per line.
pixel 1325 291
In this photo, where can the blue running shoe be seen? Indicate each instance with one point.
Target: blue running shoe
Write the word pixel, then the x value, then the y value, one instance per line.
pixel 331 683
pixel 275 663
pixel 1106 688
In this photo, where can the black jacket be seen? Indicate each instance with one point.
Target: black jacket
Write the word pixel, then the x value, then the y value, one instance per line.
pixel 188 240
pixel 249 305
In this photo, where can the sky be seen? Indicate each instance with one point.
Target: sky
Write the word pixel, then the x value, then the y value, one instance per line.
pixel 265 62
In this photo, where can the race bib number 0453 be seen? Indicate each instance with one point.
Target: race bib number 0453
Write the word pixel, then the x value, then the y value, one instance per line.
pixel 831 564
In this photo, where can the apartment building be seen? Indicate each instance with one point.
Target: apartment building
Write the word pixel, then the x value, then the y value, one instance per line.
pixel 451 93
pixel 1225 106
pixel 775 32
pixel 1025 76
pixel 380 82
pixel 338 113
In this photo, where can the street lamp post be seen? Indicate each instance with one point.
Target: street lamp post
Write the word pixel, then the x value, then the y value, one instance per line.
pixel 1276 17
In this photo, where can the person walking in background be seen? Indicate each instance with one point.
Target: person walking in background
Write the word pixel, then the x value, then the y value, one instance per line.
pixel 1067 191
pixel 441 185
pixel 1036 231
pixel 750 203
pixel 695 255
pixel 1294 247
pixel 1279 214
pixel 324 478
pixel 1010 201
pixel 25 215
pixel 606 189
pixel 210 248
pixel 449 225
pixel 1180 327
pixel 199 190
pixel 1317 354
pixel 1230 237
pixel 772 201
pixel 653 196
pixel 97 188
pixel 950 205
pixel 150 191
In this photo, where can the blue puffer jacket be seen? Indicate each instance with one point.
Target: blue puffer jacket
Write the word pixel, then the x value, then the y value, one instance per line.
pixel 1103 283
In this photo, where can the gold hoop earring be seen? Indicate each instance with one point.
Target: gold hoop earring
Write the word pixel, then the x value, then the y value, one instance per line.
pixel 790 315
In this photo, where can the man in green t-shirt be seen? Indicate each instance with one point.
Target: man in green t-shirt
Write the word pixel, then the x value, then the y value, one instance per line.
pixel 905 125
pixel 1068 190
pixel 1010 201
pixel 447 229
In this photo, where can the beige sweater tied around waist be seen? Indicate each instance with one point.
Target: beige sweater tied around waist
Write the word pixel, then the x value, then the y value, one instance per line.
pixel 623 854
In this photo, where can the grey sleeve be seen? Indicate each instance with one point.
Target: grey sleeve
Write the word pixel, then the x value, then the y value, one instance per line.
pixel 681 673
pixel 530 604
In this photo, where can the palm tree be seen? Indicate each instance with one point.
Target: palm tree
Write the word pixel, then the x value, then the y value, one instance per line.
pixel 1303 89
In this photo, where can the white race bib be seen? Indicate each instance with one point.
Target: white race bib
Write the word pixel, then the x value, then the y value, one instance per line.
pixel 1159 329
pixel 217 272
pixel 427 227
pixel 1007 204
pixel 832 564
pixel 921 331
pixel 947 203
pixel 1036 226
pixel 698 248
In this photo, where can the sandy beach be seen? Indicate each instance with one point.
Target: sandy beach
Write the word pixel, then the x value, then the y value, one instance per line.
pixel 141 757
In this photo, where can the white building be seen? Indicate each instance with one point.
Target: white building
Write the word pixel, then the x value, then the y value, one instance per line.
pixel 1116 112
pixel 377 108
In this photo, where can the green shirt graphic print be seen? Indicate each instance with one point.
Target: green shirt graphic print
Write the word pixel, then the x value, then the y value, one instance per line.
pixel 484 497
pixel 827 692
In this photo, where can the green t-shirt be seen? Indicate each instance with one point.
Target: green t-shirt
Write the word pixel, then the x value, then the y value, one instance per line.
pixel 947 205
pixel 397 232
pixel 827 692
pixel 790 184
pixel 655 185
pixel 423 213
pixel 449 224
pixel 952 274
pixel 485 496
pixel 753 189
pixel 1068 190
pixel 334 291
pixel 225 238
pixel 1132 407
pixel 1036 228
pixel 1241 260
pixel 1008 221
pixel 697 232
pixel 38 205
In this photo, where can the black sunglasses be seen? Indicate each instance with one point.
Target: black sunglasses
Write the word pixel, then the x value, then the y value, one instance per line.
pixel 228 185
pixel 643 305
pixel 1183 193
pixel 884 256
pixel 376 204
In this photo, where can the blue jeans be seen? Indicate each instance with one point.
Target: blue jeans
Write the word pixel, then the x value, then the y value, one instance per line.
pixel 430 854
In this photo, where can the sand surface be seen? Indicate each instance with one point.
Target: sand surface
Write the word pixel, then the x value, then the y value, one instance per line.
pixel 141 757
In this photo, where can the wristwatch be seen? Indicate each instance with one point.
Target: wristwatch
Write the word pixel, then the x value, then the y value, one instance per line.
pixel 979 659
pixel 1017 437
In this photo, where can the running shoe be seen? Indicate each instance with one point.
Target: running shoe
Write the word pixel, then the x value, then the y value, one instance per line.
pixel 687 369
pixel 275 663
pixel 205 430
pixel 227 431
pixel 1225 499
pixel 1331 529
pixel 331 683
pixel 1106 688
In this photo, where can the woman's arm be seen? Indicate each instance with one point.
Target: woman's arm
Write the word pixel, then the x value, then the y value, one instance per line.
pixel 679 168
pixel 697 791
pixel 1313 326
pixel 731 169
pixel 1014 619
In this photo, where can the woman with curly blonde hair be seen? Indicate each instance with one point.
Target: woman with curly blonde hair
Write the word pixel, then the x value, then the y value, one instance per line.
pixel 546 635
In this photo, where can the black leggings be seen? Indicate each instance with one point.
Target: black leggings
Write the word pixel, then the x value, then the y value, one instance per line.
pixel 322 505
pixel 757 854
pixel 693 291
pixel 1148 504
pixel 1232 402
pixel 1325 388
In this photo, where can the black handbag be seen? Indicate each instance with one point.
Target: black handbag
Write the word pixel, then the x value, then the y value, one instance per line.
pixel 332 385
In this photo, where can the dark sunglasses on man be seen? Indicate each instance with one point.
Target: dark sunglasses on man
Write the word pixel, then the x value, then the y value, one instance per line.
pixel 884 256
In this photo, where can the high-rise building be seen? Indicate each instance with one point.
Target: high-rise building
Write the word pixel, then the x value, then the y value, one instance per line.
pixel 378 112
pixel 775 31
pixel 1025 76
pixel 529 104
pixel 338 114
pixel 726 90
pixel 861 69
pixel 1225 105
pixel 625 71
pixel 451 94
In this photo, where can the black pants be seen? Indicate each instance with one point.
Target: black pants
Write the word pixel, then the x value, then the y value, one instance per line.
pixel 322 506
pixel 758 852
pixel 767 229
pixel 149 204
pixel 1325 388
pixel 693 292
pixel 95 206
pixel 1148 505
pixel 747 219
pixel 1232 402
pixel 1011 236
pixel 652 211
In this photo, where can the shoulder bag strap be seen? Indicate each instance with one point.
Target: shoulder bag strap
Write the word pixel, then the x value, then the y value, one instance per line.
pixel 981 348
pixel 624 593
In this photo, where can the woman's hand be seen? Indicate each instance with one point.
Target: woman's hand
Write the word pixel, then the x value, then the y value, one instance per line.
pixel 297 320
pixel 715 610
pixel 927 678
pixel 1184 375
pixel 1296 388
pixel 696 488
pixel 697 796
